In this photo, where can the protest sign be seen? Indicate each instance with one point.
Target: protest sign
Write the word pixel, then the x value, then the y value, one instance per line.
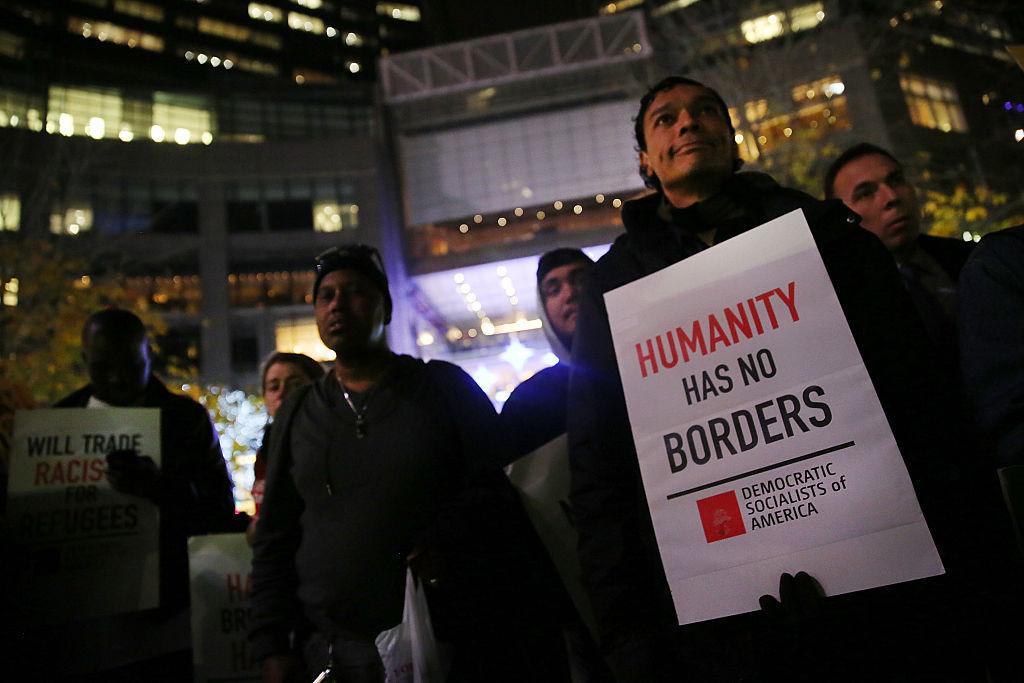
pixel 89 551
pixel 762 444
pixel 542 479
pixel 220 569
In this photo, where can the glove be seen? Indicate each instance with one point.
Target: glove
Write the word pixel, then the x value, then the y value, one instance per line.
pixel 801 599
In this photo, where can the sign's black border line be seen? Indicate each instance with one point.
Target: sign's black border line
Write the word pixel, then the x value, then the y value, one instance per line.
pixel 815 454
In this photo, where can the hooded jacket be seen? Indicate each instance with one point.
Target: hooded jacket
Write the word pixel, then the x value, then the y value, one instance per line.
pixel 535 412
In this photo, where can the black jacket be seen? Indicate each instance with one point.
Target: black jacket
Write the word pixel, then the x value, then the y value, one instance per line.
pixel 949 253
pixel 341 513
pixel 618 550
pixel 195 495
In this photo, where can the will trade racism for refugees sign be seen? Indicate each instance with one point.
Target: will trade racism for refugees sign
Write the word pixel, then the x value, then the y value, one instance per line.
pixel 91 551
pixel 762 445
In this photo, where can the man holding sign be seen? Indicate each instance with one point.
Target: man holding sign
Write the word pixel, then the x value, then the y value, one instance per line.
pixel 663 541
pixel 190 486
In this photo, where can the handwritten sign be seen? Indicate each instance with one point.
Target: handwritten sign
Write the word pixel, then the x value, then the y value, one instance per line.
pixel 762 445
pixel 89 551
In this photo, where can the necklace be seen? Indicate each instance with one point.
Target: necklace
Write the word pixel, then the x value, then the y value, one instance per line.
pixel 360 414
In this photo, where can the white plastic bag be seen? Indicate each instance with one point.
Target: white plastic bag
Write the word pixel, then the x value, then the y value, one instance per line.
pixel 409 651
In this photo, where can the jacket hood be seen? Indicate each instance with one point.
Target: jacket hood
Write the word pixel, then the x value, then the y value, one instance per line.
pixel 557 347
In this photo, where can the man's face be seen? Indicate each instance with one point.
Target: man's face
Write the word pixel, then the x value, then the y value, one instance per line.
pixel 119 369
pixel 349 312
pixel 688 138
pixel 561 288
pixel 873 186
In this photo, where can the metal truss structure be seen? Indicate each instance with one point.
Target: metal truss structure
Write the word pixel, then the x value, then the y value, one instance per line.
pixel 559 49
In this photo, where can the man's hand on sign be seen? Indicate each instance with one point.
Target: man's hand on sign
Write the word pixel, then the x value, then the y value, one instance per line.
pixel 801 598
pixel 134 475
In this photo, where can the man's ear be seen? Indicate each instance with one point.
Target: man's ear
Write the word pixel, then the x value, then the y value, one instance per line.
pixel 645 168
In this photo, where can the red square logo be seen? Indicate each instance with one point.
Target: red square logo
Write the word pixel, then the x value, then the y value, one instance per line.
pixel 721 516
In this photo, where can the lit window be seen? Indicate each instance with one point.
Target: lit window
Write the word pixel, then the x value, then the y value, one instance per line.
pixel 763 28
pixel 74 221
pixel 769 26
pixel 265 40
pixel 304 22
pixel 311 4
pixel 933 104
pixel 223 29
pixel 397 11
pixel 10 295
pixel 806 16
pixel 301 336
pixel 10 213
pixel 11 45
pixel 106 32
pixel 333 217
pixel 76 111
pixel 139 9
pixel 181 119
pixel 265 12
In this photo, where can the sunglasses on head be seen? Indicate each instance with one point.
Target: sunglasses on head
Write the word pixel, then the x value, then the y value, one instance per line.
pixel 329 259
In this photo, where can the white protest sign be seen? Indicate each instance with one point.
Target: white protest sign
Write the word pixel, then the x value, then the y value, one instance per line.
pixel 220 569
pixel 762 445
pixel 91 551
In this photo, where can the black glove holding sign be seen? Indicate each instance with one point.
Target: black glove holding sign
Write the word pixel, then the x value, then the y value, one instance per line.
pixel 798 629
pixel 129 473
pixel 801 599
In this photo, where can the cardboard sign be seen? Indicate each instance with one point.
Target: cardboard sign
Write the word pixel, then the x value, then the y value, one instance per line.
pixel 89 551
pixel 762 445
pixel 220 568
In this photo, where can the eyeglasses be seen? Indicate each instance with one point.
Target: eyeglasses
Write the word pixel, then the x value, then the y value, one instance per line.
pixel 334 257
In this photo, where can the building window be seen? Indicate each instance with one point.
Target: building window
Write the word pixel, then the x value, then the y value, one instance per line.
pixel 223 29
pixel 20 110
pixel 142 10
pixel 73 221
pixel 301 336
pixel 769 26
pixel 933 104
pixel 763 28
pixel 106 32
pixel 265 12
pixel 290 214
pixel 10 213
pixel 311 4
pixel 304 22
pixel 806 16
pixel 267 40
pixel 10 295
pixel 818 106
pixel 398 11
pixel 11 45
pixel 181 119
pixel 334 217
